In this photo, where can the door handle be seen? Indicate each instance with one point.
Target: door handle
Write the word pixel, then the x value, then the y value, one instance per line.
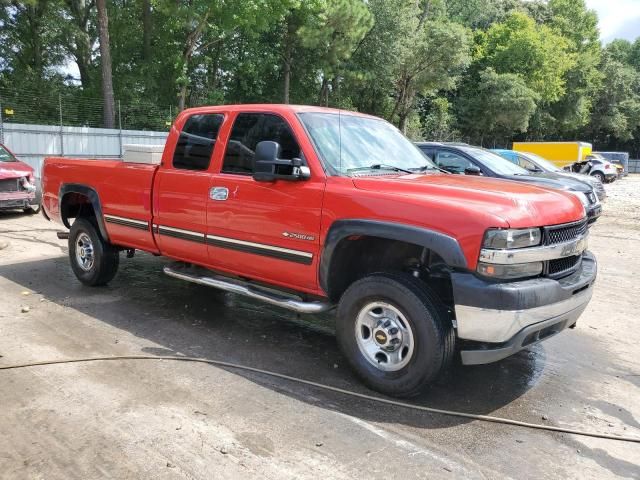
pixel 219 193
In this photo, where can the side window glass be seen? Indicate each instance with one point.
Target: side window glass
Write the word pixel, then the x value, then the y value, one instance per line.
pixel 248 130
pixel 527 164
pixel 195 144
pixel 428 153
pixel 452 162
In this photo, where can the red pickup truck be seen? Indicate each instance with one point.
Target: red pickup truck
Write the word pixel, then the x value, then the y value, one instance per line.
pixel 311 209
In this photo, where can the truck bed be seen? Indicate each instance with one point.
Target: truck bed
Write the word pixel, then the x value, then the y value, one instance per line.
pixel 124 190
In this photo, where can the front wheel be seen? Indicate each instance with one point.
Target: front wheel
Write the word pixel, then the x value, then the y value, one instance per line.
pixel 93 260
pixel 395 333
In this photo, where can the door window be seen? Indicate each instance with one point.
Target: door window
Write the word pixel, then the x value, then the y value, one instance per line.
pixel 248 130
pixel 452 162
pixel 528 164
pixel 197 139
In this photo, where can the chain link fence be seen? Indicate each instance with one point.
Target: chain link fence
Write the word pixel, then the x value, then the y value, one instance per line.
pixel 75 110
pixel 36 125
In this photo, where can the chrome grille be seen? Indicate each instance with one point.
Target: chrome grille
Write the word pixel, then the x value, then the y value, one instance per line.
pixel 563 266
pixel 564 233
pixel 9 185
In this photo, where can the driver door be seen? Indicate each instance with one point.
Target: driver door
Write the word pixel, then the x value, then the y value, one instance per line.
pixel 264 230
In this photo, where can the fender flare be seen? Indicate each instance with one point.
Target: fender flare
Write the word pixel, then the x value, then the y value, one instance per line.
pixel 94 199
pixel 444 245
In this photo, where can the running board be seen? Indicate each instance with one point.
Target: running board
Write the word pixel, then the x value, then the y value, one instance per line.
pixel 210 279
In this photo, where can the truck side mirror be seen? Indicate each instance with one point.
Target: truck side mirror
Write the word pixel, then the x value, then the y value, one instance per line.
pixel 268 166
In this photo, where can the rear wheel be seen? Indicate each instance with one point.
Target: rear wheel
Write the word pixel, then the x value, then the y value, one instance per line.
pixel 599 176
pixel 395 333
pixel 93 260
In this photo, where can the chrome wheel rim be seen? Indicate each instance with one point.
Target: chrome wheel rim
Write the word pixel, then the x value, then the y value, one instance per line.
pixel 84 252
pixel 384 336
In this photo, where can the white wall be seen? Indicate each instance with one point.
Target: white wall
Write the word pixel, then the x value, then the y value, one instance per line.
pixel 31 143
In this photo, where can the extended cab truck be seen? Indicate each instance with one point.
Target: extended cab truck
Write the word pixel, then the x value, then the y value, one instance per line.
pixel 311 209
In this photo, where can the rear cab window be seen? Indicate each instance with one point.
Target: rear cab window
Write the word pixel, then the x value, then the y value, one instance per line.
pixel 197 139
pixel 248 130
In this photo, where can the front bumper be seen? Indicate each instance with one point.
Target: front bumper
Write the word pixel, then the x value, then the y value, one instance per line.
pixel 11 200
pixel 499 319
pixel 594 212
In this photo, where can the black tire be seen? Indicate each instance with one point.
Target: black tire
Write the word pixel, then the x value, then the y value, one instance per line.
pixel 106 257
pixel 599 176
pixel 433 334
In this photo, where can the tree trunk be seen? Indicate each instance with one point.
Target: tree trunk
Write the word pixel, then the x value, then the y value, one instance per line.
pixel 109 106
pixel 83 58
pixel 80 11
pixel 146 30
pixel 288 57
pixel 323 98
pixel 189 46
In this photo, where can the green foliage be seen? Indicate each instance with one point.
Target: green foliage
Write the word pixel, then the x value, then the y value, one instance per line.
pixel 438 119
pixel 500 105
pixel 534 52
pixel 617 107
pixel 484 70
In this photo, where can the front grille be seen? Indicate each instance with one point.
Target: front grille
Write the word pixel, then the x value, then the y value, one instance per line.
pixel 591 197
pixel 9 185
pixel 564 233
pixel 563 266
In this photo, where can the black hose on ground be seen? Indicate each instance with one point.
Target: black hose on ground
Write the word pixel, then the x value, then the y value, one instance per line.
pixel 219 363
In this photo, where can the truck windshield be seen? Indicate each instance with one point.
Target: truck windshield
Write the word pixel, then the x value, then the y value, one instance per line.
pixel 494 162
pixel 349 143
pixel 6 156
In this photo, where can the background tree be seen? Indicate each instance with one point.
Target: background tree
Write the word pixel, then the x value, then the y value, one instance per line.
pixel 109 106
pixel 333 36
pixel 500 105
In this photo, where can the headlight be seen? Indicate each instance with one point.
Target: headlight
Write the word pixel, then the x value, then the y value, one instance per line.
pixel 520 238
pixel 509 272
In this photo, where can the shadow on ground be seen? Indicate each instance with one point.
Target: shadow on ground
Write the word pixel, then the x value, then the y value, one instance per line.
pixel 192 320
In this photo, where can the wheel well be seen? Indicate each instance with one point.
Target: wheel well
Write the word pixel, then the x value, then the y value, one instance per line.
pixel 74 205
pixel 358 256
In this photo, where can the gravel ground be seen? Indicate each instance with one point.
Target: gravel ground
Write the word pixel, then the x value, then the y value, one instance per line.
pixel 190 421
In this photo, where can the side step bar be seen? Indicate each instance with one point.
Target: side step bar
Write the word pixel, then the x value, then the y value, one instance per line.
pixel 210 279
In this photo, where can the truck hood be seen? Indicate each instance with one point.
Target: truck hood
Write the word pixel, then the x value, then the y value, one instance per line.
pixel 14 170
pixel 517 203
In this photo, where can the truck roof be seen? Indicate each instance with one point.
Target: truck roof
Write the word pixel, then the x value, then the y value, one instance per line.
pixel 274 107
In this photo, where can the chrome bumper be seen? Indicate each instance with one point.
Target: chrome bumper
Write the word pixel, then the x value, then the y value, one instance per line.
pixel 506 317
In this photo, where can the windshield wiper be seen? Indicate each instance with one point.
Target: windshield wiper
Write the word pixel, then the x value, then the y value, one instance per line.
pixel 382 166
pixel 424 168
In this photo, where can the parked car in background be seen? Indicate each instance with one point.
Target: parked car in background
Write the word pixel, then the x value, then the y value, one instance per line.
pixel 602 169
pixel 469 160
pixel 619 158
pixel 536 164
pixel 18 189
pixel 597 159
pixel 562 154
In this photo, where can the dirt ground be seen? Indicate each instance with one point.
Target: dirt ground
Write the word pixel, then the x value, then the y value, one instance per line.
pixel 159 419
